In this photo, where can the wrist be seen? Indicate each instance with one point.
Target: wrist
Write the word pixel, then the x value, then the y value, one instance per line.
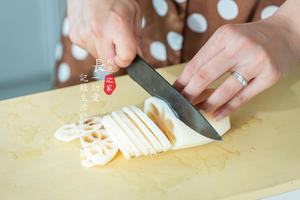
pixel 288 20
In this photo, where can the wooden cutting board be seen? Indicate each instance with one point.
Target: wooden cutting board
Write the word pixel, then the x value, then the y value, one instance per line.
pixel 260 155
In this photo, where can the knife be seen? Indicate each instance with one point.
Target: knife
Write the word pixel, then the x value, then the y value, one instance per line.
pixel 141 72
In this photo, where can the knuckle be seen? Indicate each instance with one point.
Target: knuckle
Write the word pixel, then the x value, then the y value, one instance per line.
pixel 247 41
pixel 242 42
pixel 240 98
pixel 83 35
pixel 274 75
pixel 192 66
pixel 94 27
pixel 118 19
pixel 127 56
pixel 78 35
pixel 263 53
pixel 225 92
pixel 74 37
pixel 226 29
pixel 230 52
pixel 263 57
pixel 202 75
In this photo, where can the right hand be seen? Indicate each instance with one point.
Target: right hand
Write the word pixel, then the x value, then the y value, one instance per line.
pixel 109 30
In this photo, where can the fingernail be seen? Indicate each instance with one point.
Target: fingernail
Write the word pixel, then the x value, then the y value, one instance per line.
pixel 219 115
pixel 111 69
pixel 205 107
pixel 178 86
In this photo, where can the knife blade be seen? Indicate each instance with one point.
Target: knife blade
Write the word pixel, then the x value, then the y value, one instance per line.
pixel 141 72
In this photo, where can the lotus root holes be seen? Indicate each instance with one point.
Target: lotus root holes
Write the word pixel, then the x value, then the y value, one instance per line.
pixel 87 139
pixel 88 121
pixel 108 147
pixel 88 128
pixel 103 137
pixel 103 152
pixel 95 135
pixel 94 152
pixel 94 123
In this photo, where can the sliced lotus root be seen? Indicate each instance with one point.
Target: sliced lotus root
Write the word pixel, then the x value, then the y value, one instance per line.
pixel 68 132
pixel 129 133
pixel 97 137
pixel 91 123
pixel 84 160
pixel 98 148
pixel 153 128
pixel 133 150
pixel 77 129
pixel 112 129
pixel 97 156
pixel 143 129
pixel 145 146
pixel 179 134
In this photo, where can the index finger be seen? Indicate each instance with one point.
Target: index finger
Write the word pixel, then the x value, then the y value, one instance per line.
pixel 204 76
pixel 211 48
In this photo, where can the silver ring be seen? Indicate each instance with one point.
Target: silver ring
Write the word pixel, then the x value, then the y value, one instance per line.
pixel 240 78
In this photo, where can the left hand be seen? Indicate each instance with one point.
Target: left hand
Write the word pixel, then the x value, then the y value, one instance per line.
pixel 261 52
pixel 109 29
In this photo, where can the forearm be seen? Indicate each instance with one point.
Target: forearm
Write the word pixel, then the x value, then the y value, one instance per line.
pixel 289 13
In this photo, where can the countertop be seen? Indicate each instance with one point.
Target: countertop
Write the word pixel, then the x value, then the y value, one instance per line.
pixel 259 157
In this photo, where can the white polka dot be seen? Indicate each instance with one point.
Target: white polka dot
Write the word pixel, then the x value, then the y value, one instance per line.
pixel 180 1
pixel 268 11
pixel 78 53
pixel 64 72
pixel 228 9
pixel 65 27
pixel 161 7
pixel 58 51
pixel 174 40
pixel 197 23
pixel 158 50
pixel 143 22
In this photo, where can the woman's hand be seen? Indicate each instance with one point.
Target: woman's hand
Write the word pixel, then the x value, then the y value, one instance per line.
pixel 261 52
pixel 109 29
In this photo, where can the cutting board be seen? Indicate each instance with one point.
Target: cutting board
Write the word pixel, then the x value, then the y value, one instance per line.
pixel 260 155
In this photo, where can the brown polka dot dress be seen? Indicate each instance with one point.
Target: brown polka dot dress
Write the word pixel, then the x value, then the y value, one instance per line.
pixel 173 31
